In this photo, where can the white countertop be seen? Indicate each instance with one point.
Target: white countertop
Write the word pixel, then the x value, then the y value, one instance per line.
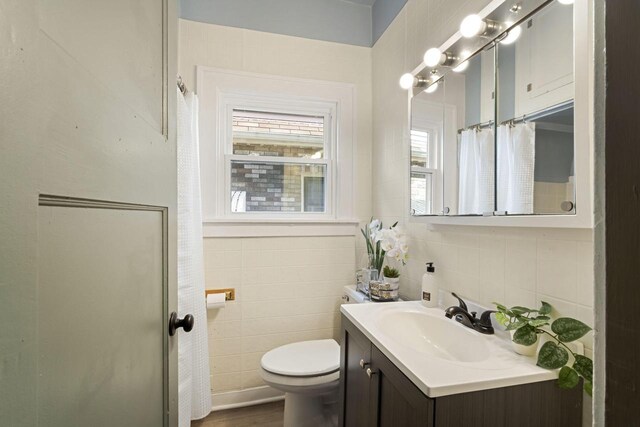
pixel 435 376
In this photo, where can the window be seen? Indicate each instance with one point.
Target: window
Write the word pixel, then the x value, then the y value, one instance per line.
pixel 423 170
pixel 278 162
pixel 275 149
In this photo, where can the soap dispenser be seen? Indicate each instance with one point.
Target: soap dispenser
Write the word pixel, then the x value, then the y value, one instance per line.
pixel 430 287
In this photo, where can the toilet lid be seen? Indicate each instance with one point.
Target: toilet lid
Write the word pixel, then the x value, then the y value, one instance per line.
pixel 303 359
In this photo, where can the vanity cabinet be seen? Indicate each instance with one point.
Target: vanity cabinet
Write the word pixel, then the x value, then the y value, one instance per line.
pixel 375 392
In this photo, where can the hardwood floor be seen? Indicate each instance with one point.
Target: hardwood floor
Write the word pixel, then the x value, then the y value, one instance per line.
pixel 265 415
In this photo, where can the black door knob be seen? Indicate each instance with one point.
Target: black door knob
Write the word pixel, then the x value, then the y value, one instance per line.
pixel 185 323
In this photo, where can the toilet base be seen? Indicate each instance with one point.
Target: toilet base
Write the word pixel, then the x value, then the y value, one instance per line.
pixel 302 410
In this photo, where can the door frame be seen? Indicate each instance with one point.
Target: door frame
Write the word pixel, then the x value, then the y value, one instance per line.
pixel 617 222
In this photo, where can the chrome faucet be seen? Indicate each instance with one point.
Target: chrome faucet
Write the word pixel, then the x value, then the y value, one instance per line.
pixel 461 314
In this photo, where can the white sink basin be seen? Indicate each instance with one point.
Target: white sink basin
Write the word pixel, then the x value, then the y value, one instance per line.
pixel 438 336
pixel 440 355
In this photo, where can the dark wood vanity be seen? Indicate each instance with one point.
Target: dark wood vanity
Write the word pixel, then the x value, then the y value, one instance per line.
pixel 374 392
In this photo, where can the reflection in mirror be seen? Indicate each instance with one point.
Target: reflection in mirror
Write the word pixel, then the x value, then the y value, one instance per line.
pixel 469 137
pixel 426 159
pixel 535 135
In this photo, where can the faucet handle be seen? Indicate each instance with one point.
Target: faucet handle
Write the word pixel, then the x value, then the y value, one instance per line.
pixel 485 318
pixel 463 305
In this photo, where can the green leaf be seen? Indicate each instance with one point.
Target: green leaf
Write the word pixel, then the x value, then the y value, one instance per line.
pixel 526 335
pixel 584 366
pixel 552 356
pixel 516 325
pixel 521 310
pixel 588 387
pixel 542 318
pixel 502 318
pixel 568 378
pixel 500 306
pixel 538 322
pixel 545 308
pixel 569 329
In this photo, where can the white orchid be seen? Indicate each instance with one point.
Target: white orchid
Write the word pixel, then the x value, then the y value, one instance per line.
pixel 394 242
pixel 381 242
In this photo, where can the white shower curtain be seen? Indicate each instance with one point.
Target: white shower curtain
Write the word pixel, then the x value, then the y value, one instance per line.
pixel 516 167
pixel 476 178
pixel 194 401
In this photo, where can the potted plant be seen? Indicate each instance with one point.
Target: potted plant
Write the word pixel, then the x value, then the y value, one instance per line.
pixel 382 242
pixel 391 275
pixel 527 324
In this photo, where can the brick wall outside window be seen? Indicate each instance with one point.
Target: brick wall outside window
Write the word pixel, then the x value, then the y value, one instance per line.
pixel 273 187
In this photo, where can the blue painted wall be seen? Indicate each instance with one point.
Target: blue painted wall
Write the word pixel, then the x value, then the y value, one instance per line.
pixel 330 20
pixel 383 14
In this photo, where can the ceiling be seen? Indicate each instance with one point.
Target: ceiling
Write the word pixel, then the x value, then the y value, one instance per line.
pixel 355 22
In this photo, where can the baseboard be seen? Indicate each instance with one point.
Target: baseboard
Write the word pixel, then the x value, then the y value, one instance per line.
pixel 247 397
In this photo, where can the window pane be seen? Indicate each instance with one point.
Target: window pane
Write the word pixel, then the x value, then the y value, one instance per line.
pixel 313 193
pixel 277 187
pixel 419 148
pixel 421 193
pixel 257 133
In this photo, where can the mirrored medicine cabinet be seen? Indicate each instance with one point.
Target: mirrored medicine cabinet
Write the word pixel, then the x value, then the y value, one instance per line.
pixel 501 130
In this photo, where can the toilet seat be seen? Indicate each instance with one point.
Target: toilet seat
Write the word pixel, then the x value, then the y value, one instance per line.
pixel 315 358
pixel 290 383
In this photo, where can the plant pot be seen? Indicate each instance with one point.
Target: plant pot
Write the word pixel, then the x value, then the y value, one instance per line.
pixel 525 350
pixel 391 280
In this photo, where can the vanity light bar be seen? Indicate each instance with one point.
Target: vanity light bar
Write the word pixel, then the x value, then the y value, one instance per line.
pixel 474 26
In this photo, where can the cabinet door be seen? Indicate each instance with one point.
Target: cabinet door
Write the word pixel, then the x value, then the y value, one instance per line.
pixel 544 60
pixel 355 358
pixel 395 400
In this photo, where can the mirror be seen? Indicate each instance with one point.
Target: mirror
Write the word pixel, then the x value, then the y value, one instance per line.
pixel 535 131
pixel 495 134
pixel 426 137
pixel 469 184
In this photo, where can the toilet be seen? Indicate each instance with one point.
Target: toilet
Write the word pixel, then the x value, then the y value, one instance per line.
pixel 309 374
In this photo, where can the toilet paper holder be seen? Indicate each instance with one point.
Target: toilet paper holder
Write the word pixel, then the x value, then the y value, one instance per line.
pixel 229 293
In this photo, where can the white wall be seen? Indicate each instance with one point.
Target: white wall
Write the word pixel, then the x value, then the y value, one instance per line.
pixel 288 288
pixel 511 265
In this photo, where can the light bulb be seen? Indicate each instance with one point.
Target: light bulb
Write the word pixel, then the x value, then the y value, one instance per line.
pixel 464 64
pixel 407 81
pixel 432 88
pixel 512 35
pixel 433 57
pixel 566 1
pixel 471 26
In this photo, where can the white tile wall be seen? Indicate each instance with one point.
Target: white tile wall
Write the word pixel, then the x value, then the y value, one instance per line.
pixel 510 265
pixel 287 289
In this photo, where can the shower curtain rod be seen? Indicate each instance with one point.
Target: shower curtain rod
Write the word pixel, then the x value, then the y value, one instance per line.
pixel 181 85
pixel 540 113
pixel 477 126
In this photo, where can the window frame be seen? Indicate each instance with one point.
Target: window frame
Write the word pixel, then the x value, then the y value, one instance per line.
pixel 279 105
pixel 220 91
pixel 434 160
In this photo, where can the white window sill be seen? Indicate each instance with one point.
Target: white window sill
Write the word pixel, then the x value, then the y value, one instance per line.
pixel 279 228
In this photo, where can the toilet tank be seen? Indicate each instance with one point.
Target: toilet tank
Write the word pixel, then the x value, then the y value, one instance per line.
pixel 351 296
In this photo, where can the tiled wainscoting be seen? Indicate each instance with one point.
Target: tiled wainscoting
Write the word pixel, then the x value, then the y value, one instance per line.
pixel 288 289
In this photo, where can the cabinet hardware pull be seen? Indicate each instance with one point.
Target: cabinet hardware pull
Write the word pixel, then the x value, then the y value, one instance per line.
pixel 363 364
pixel 370 372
